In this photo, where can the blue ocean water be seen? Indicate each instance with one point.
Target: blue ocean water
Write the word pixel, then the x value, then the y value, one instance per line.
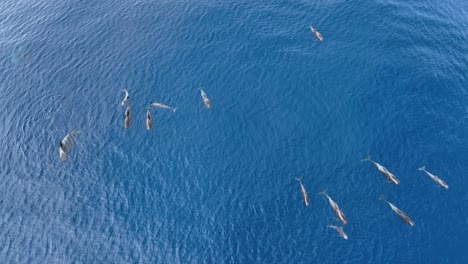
pixel 217 186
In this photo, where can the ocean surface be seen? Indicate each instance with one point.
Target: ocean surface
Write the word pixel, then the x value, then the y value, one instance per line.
pixel 218 185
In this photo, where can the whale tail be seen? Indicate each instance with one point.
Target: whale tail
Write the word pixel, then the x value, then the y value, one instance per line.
pixel 368 158
pixel 298 179
pixel 324 192
pixel 201 91
pixel 422 168
pixel 174 109
pixel 125 91
pixel 382 198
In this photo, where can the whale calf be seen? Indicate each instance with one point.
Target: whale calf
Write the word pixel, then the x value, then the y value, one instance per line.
pixel 390 177
pixel 205 99
pixel 128 117
pixel 304 193
pixel 149 120
pixel 340 231
pixel 66 144
pixel 339 214
pixel 397 211
pixel 316 34
pixel 162 106
pixel 434 178
pixel 125 100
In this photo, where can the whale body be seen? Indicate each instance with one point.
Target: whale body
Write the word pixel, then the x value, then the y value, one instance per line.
pixel 340 231
pixel 128 117
pixel 339 214
pixel 205 99
pixel 149 120
pixel 66 145
pixel 305 197
pixel 125 100
pixel 316 34
pixel 404 217
pixel 163 106
pixel 434 178
pixel 387 174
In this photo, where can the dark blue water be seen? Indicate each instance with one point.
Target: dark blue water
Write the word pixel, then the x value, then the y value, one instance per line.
pixel 217 186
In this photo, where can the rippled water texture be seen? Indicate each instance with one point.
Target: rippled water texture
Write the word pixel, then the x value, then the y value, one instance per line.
pixel 217 186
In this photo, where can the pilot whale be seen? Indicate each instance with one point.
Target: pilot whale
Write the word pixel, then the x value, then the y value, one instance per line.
pixel 149 120
pixel 390 177
pixel 128 117
pixel 66 144
pixel 205 99
pixel 397 211
pixel 339 214
pixel 162 106
pixel 434 178
pixel 316 34
pixel 340 231
pixel 304 193
pixel 125 100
